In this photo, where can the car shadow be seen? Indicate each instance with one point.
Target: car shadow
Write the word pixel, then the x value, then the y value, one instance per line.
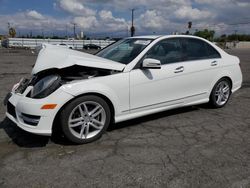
pixel 28 140
pixel 22 138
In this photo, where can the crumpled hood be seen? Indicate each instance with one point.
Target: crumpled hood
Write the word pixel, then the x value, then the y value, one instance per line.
pixel 51 56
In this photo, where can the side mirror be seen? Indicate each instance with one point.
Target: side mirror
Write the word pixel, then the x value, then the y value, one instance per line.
pixel 149 63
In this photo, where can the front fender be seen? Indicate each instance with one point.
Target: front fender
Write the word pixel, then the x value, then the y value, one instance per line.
pixel 114 87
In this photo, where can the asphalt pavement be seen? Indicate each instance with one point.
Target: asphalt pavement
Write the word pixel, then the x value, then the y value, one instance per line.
pixel 188 147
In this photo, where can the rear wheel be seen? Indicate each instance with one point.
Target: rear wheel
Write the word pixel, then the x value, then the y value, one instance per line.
pixel 85 119
pixel 220 93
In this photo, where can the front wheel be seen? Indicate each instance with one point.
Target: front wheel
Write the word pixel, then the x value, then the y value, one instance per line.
pixel 85 119
pixel 220 93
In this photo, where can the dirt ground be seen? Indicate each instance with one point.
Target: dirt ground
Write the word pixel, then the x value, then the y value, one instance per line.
pixel 188 147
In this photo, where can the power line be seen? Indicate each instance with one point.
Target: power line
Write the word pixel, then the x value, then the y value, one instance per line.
pixel 243 23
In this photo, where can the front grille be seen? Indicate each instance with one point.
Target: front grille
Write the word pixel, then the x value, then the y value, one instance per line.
pixel 11 109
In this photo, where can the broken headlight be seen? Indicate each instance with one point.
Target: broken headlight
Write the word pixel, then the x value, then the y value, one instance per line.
pixel 45 86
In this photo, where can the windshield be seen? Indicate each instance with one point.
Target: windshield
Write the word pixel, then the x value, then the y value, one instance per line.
pixel 124 51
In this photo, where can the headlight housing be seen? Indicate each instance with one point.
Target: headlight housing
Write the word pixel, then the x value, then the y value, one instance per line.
pixel 45 86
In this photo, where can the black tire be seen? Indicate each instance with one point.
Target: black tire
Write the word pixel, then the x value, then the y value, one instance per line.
pixel 69 108
pixel 213 98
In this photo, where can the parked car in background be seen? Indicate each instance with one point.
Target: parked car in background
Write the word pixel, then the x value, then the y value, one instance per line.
pixel 134 77
pixel 91 46
pixel 4 43
pixel 66 45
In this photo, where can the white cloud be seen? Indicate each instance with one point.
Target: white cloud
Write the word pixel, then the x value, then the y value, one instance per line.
pixel 111 23
pixel 106 15
pixel 86 22
pixel 161 16
pixel 152 19
pixel 125 5
pixel 32 21
pixel 75 7
pixel 192 13
pixel 34 15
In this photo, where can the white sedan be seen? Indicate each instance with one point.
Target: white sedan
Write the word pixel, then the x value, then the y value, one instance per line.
pixel 82 94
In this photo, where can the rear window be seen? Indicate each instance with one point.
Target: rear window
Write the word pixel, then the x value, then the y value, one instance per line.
pixel 212 53
pixel 195 49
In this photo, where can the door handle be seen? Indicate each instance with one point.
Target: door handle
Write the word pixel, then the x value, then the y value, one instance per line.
pixel 179 69
pixel 214 63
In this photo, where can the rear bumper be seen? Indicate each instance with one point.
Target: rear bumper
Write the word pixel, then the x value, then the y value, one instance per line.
pixel 27 114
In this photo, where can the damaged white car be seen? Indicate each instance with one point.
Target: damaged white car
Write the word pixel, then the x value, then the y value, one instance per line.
pixel 83 94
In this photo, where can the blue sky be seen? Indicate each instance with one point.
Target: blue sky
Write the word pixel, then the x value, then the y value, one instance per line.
pixel 13 6
pixel 113 17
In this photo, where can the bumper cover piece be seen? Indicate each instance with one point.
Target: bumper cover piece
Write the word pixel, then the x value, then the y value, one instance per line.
pixel 28 115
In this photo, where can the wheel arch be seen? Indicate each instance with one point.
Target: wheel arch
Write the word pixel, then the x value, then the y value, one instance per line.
pixel 229 79
pixel 221 76
pixel 105 98
pixel 216 80
pixel 212 99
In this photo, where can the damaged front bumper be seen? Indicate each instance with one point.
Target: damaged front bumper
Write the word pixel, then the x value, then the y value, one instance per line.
pixel 28 114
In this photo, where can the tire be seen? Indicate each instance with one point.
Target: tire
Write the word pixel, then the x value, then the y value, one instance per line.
pixel 85 119
pixel 221 93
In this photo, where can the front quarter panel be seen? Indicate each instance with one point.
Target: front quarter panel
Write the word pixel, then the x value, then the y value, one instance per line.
pixel 115 87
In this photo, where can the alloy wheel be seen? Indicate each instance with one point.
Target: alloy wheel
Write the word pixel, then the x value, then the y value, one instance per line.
pixel 222 93
pixel 86 120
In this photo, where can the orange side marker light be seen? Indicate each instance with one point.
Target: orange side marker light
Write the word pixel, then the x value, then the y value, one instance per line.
pixel 48 106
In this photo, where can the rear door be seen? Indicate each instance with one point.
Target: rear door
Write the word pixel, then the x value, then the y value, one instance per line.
pixel 201 66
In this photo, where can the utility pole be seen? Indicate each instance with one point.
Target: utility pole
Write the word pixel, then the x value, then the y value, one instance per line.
pixel 235 34
pixel 236 38
pixel 43 33
pixel 67 31
pixel 132 29
pixel 189 27
pixel 8 28
pixel 74 24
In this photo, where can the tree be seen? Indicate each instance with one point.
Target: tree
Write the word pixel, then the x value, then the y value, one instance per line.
pixel 189 25
pixel 233 37
pixel 12 32
pixel 206 34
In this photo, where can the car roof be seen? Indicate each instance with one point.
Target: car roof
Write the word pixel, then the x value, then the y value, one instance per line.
pixel 163 36
pixel 147 37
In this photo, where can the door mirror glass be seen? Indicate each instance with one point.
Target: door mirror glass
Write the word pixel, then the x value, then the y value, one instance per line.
pixel 149 63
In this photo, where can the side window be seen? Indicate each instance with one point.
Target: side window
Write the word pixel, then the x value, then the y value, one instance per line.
pixel 166 51
pixel 195 49
pixel 212 53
